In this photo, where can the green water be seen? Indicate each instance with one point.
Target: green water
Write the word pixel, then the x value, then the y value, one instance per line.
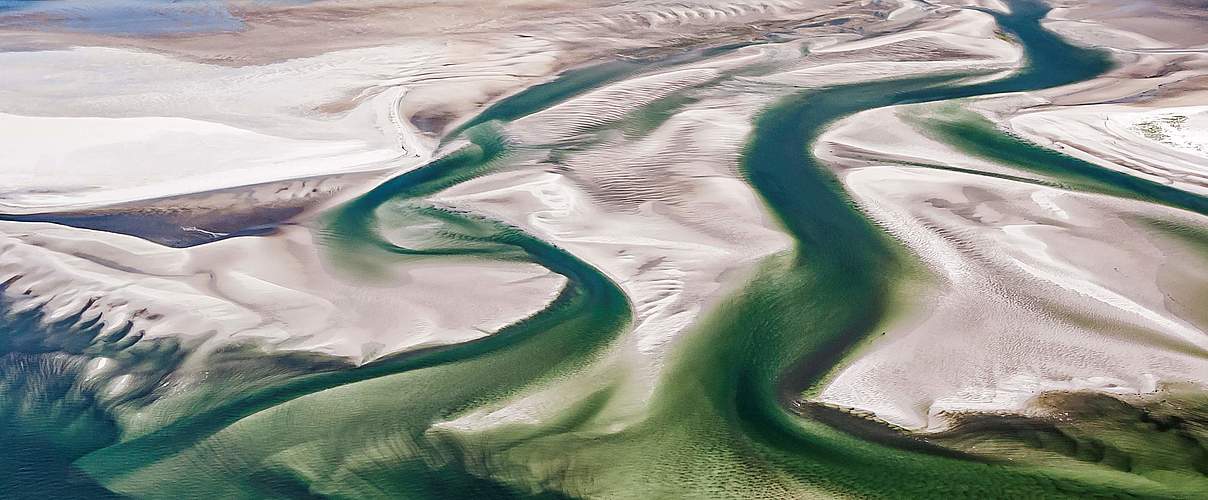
pixel 722 421
pixel 975 136
pixel 719 426
pixel 803 312
pixel 578 81
pixel 397 399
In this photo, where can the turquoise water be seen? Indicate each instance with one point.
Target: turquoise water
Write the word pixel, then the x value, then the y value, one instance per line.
pixel 724 419
pixel 46 421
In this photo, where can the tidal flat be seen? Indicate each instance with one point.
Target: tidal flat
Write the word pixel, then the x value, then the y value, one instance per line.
pixel 604 249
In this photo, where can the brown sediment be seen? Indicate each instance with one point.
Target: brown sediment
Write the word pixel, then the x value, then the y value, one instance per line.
pixel 1153 435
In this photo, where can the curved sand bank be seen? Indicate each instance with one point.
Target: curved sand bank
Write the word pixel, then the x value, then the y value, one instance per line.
pixel 1039 288
pixel 173 134
pixel 634 180
pixel 1074 296
pixel 278 292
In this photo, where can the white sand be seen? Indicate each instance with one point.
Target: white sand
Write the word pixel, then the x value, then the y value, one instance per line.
pixel 279 291
pixel 150 125
pixel 1167 144
pixel 57 163
pixel 1040 289
pixel 665 216
pixel 152 118
pixel 129 126
pixel 1184 129
pixel 907 53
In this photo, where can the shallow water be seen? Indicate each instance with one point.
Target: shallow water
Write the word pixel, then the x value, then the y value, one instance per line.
pixel 722 423
pixel 121 17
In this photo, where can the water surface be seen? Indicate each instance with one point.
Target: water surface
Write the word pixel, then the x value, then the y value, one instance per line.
pixel 724 420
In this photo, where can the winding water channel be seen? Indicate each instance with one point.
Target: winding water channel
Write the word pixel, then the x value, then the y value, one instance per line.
pixel 725 420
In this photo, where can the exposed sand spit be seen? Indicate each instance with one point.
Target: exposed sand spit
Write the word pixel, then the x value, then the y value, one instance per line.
pixel 171 129
pixel 277 293
pixel 71 163
pixel 183 129
pixel 1040 288
pixel 1168 144
pixel 335 187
